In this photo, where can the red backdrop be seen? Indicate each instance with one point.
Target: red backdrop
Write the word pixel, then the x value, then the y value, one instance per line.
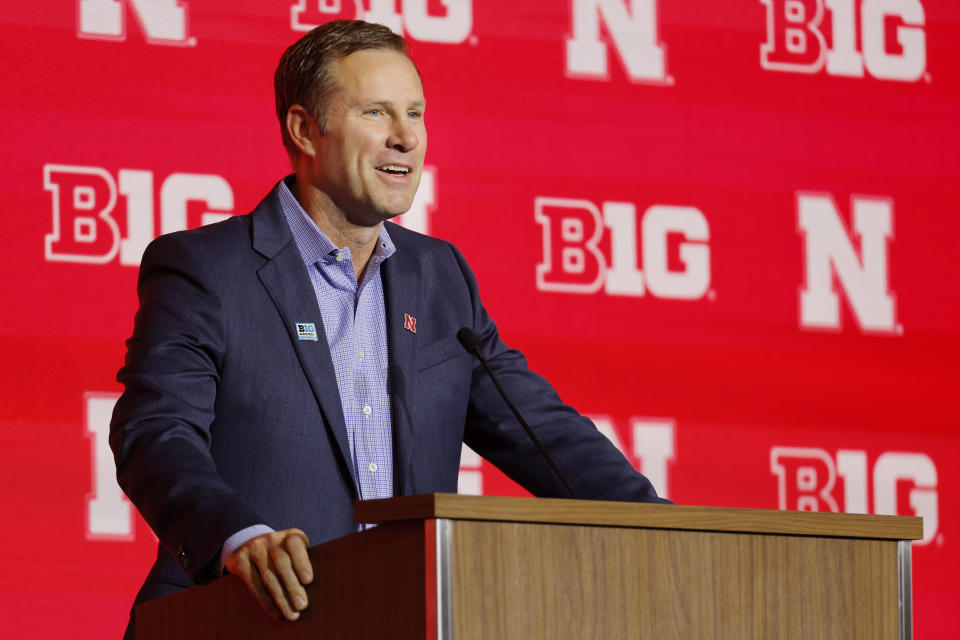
pixel 725 230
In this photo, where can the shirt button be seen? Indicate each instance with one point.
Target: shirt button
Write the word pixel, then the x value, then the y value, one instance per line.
pixel 339 257
pixel 367 410
pixel 361 353
pixel 373 467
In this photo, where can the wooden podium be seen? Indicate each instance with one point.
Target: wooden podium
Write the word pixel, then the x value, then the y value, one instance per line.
pixel 467 567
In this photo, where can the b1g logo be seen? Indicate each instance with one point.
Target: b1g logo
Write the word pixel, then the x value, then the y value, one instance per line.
pixel 892 40
pixel 86 205
pixel 162 22
pixel 675 253
pixel 452 24
pixel 832 262
pixel 632 26
pixel 85 208
pixel 903 483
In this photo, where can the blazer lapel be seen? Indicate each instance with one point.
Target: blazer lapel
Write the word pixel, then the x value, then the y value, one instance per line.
pixel 285 278
pixel 401 285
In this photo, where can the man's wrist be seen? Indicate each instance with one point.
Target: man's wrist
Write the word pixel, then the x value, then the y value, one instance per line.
pixel 239 539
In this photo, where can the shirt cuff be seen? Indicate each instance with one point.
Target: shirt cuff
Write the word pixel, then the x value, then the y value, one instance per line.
pixel 239 539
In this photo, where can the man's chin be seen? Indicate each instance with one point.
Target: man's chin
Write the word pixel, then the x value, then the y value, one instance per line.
pixel 397 207
pixel 373 216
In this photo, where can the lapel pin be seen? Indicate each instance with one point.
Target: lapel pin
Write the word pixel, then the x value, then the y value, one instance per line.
pixel 306 331
pixel 409 323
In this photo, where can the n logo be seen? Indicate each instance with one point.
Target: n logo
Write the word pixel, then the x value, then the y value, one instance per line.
pixel 162 22
pixel 831 257
pixel 633 36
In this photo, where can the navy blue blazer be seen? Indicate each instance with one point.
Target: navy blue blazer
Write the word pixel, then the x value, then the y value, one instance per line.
pixel 229 420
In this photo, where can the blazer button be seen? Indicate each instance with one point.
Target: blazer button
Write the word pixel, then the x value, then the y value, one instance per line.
pixel 184 558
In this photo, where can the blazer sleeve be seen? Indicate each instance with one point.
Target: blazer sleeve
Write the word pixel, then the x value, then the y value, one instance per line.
pixel 160 431
pixel 595 468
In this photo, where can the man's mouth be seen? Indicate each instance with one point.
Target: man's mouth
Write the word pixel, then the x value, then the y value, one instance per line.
pixel 394 169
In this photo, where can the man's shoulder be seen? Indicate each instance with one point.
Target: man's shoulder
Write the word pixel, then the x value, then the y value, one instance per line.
pixel 226 236
pixel 439 262
pixel 232 235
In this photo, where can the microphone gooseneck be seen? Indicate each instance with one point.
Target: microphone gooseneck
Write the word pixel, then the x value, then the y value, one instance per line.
pixel 472 343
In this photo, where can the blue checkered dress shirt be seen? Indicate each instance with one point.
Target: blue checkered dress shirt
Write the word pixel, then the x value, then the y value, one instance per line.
pixel 354 320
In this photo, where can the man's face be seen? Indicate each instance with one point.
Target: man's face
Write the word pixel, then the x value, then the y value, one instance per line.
pixel 370 159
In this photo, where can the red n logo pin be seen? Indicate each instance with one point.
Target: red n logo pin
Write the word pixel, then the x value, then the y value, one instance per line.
pixel 409 323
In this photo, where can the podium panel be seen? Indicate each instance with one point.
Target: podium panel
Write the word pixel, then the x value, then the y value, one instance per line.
pixel 517 580
pixel 440 567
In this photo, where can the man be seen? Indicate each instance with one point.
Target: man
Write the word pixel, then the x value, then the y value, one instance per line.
pixel 288 362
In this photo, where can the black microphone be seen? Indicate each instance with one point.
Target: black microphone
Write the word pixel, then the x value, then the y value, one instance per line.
pixel 471 342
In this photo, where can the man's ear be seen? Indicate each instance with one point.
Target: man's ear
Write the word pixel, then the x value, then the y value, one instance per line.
pixel 302 128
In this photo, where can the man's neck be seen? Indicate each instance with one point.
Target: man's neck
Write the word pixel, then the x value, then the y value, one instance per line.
pixel 334 224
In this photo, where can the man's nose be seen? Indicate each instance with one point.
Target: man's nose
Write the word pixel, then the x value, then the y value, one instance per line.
pixel 403 137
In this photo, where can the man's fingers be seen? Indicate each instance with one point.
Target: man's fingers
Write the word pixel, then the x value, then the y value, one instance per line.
pixel 255 584
pixel 274 567
pixel 287 577
pixel 273 585
pixel 296 545
pixel 250 575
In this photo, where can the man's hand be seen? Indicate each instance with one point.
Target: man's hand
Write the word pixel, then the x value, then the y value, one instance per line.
pixel 275 566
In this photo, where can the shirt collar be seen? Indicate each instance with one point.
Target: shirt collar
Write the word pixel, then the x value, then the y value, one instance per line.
pixel 314 245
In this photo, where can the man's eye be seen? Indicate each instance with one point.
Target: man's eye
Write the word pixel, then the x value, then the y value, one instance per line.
pixel 374 112
pixel 414 115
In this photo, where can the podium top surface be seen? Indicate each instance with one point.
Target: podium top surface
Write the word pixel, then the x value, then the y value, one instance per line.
pixel 633 515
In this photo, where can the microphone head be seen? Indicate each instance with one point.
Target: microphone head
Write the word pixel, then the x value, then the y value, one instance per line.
pixel 469 339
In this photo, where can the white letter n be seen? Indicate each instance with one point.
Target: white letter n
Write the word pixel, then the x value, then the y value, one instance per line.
pixel 633 33
pixel 829 250
pixel 163 21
